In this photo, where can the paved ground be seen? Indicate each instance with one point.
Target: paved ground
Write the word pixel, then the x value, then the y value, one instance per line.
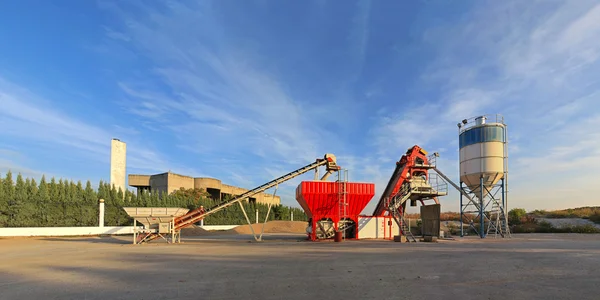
pixel 540 266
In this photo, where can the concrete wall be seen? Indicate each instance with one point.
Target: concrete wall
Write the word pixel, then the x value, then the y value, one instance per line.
pixel 170 182
pixel 370 227
pixel 206 183
pixel 65 231
pixel 219 227
pixel 176 181
pixel 139 180
pixel 118 163
pixel 260 198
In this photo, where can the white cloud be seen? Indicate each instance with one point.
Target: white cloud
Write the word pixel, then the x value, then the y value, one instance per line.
pixel 26 116
pixel 220 92
pixel 533 62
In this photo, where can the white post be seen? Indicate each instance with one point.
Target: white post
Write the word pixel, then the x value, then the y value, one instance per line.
pixel 101 214
pixel 201 222
pixel 257 216
pixel 292 217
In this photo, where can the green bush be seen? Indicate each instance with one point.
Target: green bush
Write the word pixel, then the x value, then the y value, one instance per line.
pixel 516 215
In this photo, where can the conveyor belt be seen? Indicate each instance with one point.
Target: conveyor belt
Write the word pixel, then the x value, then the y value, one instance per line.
pixel 200 213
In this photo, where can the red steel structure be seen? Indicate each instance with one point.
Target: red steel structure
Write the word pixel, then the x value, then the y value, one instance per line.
pixel 412 164
pixel 321 203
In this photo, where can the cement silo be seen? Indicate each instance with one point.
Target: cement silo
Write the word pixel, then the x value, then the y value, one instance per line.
pixel 483 173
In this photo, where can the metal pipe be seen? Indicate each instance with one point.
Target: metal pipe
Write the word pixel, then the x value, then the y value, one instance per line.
pixel 481 222
pixel 326 175
pixel 505 183
pixel 502 192
pixel 461 212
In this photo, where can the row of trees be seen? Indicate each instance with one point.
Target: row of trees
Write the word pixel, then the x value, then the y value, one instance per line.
pixel 26 203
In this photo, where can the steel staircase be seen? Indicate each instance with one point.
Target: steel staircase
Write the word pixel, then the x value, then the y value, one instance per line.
pixel 414 189
pixel 406 231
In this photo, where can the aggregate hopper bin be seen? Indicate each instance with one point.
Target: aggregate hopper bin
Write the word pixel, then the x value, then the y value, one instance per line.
pixel 155 220
pixel 323 203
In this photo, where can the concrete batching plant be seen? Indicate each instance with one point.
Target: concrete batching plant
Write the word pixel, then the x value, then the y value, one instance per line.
pixel 483 174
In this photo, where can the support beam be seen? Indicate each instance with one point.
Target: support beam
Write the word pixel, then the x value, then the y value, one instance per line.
pixel 267 217
pixel 247 219
pixel 462 233
pixel 481 222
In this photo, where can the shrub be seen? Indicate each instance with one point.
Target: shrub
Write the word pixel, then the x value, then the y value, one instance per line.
pixel 595 217
pixel 516 215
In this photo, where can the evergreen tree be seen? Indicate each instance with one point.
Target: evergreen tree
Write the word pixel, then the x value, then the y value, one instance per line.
pixel 120 215
pixel 53 204
pixel 29 213
pixel 65 203
pixel 68 204
pixel 15 204
pixel 3 204
pixel 79 203
pixel 9 187
pixel 102 194
pixel 43 201
pixel 70 209
pixel 91 205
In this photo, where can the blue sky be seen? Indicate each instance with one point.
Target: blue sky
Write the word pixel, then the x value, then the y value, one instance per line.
pixel 246 91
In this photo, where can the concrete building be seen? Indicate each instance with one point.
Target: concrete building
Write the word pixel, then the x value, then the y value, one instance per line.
pixel 118 164
pixel 169 182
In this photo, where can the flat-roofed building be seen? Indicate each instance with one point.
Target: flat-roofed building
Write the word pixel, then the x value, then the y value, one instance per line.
pixel 169 182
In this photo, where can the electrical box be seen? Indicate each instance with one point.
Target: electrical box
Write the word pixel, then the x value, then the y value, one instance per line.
pixel 164 228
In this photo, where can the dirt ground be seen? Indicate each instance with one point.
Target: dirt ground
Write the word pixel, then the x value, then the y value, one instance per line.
pixel 528 266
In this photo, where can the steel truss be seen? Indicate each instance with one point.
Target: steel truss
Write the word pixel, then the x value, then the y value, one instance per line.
pixel 489 208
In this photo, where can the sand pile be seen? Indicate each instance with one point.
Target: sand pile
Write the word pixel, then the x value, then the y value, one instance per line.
pixel 270 227
pixel 273 227
pixel 199 231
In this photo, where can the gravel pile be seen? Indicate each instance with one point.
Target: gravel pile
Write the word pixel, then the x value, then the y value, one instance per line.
pixel 273 227
pixel 270 227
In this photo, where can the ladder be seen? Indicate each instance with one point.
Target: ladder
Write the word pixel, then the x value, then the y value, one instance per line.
pixel 342 202
pixel 500 224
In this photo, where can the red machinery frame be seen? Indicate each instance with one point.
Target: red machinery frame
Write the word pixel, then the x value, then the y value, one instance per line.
pixel 413 163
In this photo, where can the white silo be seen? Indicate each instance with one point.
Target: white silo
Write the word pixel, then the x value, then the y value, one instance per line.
pixel 483 170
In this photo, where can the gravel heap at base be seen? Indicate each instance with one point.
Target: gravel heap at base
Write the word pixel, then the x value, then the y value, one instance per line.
pixel 270 227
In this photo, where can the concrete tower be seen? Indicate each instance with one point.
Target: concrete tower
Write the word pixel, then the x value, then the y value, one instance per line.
pixel 118 152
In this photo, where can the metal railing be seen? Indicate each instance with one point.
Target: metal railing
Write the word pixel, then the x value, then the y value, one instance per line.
pixel 437 183
pixel 479 120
